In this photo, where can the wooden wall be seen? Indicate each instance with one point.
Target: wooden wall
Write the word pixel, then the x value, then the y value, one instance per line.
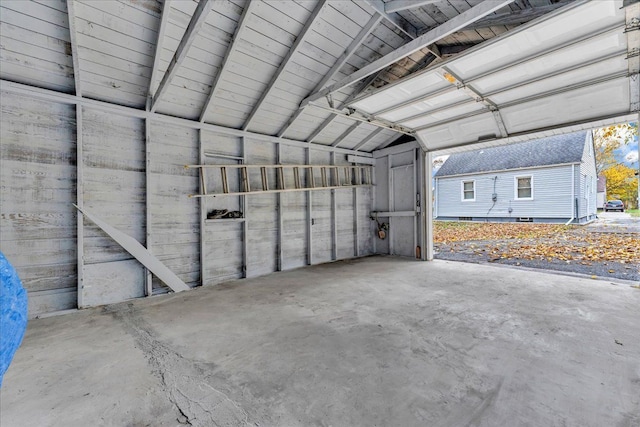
pixel 38 187
pixel 130 173
pixel 397 191
pixel 174 229
pixel 113 188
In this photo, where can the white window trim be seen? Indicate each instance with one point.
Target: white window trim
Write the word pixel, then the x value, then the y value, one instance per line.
pixel 462 190
pixel 515 187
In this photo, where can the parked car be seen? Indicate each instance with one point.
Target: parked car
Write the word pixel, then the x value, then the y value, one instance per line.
pixel 614 205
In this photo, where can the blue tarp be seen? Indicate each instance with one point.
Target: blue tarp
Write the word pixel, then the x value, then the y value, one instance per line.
pixel 13 313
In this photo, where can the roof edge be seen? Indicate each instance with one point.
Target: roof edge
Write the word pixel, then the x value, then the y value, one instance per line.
pixel 555 165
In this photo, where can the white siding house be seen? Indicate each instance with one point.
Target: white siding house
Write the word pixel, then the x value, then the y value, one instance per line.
pixel 545 180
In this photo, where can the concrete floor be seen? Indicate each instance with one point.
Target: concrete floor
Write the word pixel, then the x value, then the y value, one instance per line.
pixel 379 341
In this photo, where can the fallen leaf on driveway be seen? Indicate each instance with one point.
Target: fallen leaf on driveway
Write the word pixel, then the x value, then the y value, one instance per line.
pixel 543 242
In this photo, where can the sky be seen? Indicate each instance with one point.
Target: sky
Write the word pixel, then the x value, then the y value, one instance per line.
pixel 628 154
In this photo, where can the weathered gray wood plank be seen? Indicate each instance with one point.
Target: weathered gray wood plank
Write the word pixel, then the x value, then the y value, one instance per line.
pixel 175 220
pixel 23 20
pixel 118 17
pixel 112 282
pixel 38 186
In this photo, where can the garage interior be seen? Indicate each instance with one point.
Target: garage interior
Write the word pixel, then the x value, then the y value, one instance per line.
pixel 156 148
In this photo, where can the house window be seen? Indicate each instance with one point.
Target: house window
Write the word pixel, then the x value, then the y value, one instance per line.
pixel 468 191
pixel 524 188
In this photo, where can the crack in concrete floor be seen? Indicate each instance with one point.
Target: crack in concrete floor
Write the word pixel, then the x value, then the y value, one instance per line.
pixel 183 380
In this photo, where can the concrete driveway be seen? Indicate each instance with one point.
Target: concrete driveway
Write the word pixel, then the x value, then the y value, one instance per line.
pixel 615 222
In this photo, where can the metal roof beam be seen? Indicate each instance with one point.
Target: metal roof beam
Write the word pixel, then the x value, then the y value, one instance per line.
pixel 223 66
pixel 166 10
pixel 399 5
pixel 292 51
pixel 197 21
pixel 74 46
pixel 451 26
pixel 355 43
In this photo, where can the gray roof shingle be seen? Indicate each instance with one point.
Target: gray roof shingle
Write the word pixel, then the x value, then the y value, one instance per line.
pixel 553 150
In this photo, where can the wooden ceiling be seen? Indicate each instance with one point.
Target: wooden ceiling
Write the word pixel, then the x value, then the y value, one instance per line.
pixel 235 63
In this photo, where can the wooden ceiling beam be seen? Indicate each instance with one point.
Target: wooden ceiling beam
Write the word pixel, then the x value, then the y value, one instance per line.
pixel 394 19
pixel 166 10
pixel 368 138
pixel 399 5
pixel 513 18
pixel 451 26
pixel 197 21
pixel 353 46
pixel 283 65
pixel 233 44
pixel 365 83
pixel 74 46
pixel 346 134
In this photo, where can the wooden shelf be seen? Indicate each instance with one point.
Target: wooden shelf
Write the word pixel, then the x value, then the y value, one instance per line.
pixel 225 220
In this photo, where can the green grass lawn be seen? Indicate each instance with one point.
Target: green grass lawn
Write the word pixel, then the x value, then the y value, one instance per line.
pixel 634 212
